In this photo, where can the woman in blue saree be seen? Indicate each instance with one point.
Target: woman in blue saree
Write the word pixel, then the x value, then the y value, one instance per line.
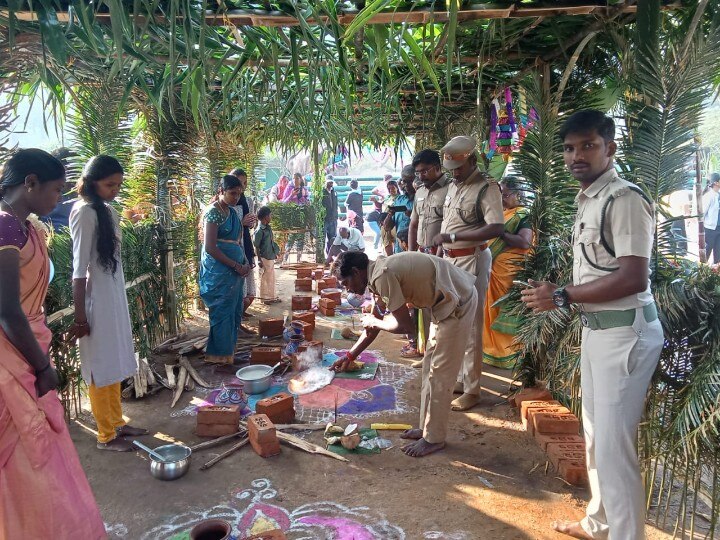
pixel 223 268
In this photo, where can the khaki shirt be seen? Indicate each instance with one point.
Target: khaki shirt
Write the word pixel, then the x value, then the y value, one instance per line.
pixel 428 210
pixel 628 229
pixel 459 212
pixel 423 280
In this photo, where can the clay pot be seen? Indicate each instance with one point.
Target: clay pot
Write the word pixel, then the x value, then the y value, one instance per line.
pixel 211 529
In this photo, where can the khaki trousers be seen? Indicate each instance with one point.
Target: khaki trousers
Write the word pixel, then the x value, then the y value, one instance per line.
pixel 107 410
pixel 479 266
pixel 616 366
pixel 267 279
pixel 441 363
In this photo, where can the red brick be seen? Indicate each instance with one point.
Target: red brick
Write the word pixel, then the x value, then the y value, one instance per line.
pixel 556 423
pixel 318 274
pixel 280 408
pixel 304 273
pixel 320 285
pixel 544 440
pixel 262 354
pixel 307 329
pixel 219 414
pixel 331 281
pixel 307 316
pixel 574 472
pixel 530 394
pixel 303 285
pixel 215 430
pixel 536 405
pixel 261 432
pixel 528 421
pixel 311 345
pixel 275 534
pixel 271 327
pixel 335 296
pixel 557 456
pixel 555 448
pixel 301 302
pixel 327 307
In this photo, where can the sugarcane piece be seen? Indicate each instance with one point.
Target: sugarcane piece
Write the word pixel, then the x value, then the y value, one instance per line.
pixel 225 454
pixel 307 446
pixel 182 378
pixel 184 362
pixel 170 372
pixel 218 440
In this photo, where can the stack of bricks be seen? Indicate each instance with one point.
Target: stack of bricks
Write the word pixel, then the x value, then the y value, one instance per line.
pixel 321 284
pixel 280 408
pixel 306 316
pixel 271 327
pixel 262 435
pixel 318 274
pixel 263 354
pixel 304 273
pixel 332 294
pixel 217 420
pixel 303 285
pixel 308 329
pixel 555 429
pixel 327 307
pixel 301 302
pixel 331 281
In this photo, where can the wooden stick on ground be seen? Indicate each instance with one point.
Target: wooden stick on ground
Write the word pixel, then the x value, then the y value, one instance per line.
pixel 182 379
pixel 184 362
pixel 308 446
pixel 219 440
pixel 225 454
pixel 301 427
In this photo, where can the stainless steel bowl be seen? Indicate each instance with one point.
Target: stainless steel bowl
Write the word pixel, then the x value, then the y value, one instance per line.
pixel 255 379
pixel 176 464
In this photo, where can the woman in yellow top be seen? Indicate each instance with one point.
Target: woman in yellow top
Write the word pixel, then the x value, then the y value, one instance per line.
pixel 508 256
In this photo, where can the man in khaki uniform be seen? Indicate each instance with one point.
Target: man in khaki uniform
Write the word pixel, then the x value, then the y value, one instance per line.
pixel 427 214
pixel 428 282
pixel 622 337
pixel 472 215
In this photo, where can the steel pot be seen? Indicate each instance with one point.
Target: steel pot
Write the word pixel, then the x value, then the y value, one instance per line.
pixel 175 465
pixel 255 379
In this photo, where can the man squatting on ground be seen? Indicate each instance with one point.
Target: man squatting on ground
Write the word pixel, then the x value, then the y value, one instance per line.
pixel 622 337
pixel 425 281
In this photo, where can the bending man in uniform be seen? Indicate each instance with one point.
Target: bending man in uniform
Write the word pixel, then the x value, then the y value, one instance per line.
pixel 622 337
pixel 425 281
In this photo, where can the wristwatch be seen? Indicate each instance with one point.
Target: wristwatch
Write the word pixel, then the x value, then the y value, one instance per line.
pixel 452 237
pixel 560 297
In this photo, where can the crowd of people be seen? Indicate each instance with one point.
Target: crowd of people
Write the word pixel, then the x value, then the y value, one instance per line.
pixel 452 241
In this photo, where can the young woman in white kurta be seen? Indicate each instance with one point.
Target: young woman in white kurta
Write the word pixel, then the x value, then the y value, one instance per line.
pixel 102 319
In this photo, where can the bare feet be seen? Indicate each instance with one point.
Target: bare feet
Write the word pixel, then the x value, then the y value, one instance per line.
pixel 465 402
pixel 459 388
pixel 130 431
pixel 571 528
pixel 116 445
pixel 414 434
pixel 422 448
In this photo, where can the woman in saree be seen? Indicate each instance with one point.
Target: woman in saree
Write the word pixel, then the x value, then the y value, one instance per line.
pixel 43 490
pixel 508 254
pixel 223 268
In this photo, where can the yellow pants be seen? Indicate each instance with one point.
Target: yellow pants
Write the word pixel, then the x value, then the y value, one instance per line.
pixel 106 408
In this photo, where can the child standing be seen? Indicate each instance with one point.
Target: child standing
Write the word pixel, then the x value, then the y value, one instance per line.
pixel 267 251
pixel 102 318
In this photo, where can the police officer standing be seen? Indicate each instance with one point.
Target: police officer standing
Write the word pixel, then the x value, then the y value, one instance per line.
pixel 472 215
pixel 427 214
pixel 622 337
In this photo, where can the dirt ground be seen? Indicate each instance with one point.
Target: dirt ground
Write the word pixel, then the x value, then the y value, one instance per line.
pixel 490 482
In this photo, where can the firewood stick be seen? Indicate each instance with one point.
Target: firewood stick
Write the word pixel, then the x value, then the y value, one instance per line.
pixel 184 362
pixel 182 377
pixel 225 454
pixel 170 372
pixel 301 427
pixel 218 440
